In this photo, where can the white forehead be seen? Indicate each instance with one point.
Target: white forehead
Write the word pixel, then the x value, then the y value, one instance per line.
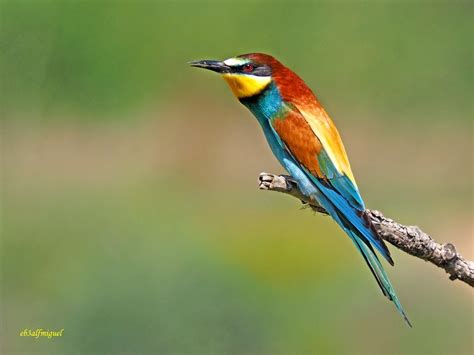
pixel 235 61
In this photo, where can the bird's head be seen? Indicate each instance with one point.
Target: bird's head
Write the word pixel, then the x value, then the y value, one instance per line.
pixel 247 75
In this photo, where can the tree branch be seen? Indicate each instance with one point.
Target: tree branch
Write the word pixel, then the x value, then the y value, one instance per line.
pixel 410 239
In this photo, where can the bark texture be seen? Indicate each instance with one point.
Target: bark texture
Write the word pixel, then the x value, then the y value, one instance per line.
pixel 410 239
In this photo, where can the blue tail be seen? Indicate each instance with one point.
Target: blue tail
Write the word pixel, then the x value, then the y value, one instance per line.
pixel 350 218
pixel 379 274
pixel 362 235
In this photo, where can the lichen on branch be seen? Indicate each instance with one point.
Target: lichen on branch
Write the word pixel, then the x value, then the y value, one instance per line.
pixel 411 239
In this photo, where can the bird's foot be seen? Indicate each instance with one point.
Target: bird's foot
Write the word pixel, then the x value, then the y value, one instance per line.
pixel 288 185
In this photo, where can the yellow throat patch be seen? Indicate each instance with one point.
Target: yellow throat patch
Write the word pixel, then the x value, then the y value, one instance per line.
pixel 243 85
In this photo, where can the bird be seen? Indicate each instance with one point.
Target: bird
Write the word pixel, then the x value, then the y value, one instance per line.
pixel 307 144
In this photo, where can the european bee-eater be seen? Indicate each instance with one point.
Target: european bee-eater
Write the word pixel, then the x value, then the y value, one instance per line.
pixel 306 142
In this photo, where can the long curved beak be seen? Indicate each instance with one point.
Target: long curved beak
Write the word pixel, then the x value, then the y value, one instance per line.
pixel 213 65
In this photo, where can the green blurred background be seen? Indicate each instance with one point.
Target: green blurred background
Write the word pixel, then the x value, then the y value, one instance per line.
pixel 130 211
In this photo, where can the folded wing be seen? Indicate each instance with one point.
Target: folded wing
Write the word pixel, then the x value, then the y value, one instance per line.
pixel 316 145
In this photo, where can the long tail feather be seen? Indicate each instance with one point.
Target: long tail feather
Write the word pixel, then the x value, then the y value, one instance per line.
pixel 380 275
pixel 355 219
pixel 366 250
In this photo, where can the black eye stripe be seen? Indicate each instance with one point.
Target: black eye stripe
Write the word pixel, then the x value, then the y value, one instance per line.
pixel 262 70
pixel 258 70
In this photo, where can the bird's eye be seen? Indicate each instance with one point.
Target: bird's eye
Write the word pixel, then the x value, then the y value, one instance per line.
pixel 247 68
